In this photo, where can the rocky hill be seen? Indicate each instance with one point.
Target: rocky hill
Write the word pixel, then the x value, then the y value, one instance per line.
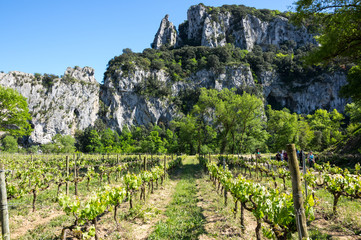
pixel 251 50
pixel 236 24
pixel 57 105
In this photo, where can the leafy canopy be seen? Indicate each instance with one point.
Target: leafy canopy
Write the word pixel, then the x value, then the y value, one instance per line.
pixel 14 113
pixel 340 34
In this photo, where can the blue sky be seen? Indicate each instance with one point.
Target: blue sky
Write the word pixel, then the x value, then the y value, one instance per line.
pixel 47 36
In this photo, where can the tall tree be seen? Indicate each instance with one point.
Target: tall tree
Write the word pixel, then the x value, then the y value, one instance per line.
pixel 282 127
pixel 14 113
pixel 231 114
pixel 328 124
pixel 187 133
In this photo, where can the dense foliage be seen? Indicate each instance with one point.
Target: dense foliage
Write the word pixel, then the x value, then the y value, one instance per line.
pixel 14 113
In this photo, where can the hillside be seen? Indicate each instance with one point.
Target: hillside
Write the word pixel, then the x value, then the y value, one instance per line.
pixel 257 51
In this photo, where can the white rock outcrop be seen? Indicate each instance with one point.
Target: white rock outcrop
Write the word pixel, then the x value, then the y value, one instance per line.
pixel 305 97
pixel 217 29
pixel 166 35
pixel 69 103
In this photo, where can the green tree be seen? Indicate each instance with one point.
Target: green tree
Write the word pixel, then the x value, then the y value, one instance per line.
pixel 251 125
pixel 127 143
pixel 107 140
pixel 282 127
pixel 153 143
pixel 94 142
pixel 328 124
pixel 353 88
pixel 171 141
pixel 60 144
pixel 232 114
pixel 340 32
pixel 14 113
pixel 64 143
pixel 354 111
pixel 305 134
pixel 9 144
pixel 187 133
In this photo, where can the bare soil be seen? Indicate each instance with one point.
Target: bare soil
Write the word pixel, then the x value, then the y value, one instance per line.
pixel 32 221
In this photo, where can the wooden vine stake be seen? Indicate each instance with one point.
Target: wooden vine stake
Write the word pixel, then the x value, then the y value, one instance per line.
pixel 75 178
pixel 5 229
pixel 225 189
pixel 165 166
pixel 297 192
pixel 67 175
pixel 145 164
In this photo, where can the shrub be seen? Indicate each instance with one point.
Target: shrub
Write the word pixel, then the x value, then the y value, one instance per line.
pixel 9 144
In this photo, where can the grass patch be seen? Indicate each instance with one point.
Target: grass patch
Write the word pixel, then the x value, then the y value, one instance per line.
pixel 185 219
pixel 317 235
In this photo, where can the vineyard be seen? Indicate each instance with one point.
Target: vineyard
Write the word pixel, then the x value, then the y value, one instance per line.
pixel 176 197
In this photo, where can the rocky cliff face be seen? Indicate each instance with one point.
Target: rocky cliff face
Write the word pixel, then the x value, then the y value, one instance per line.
pixel 72 102
pixel 66 104
pixel 305 97
pixel 213 29
pixel 166 35
pixel 126 107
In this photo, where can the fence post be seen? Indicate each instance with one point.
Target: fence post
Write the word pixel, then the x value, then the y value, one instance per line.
pixel 304 169
pixel 225 190
pixel 165 167
pixel 145 164
pixel 297 192
pixel 67 176
pixel 4 206
pixel 75 178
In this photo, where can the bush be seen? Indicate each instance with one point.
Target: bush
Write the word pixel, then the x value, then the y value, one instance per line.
pixel 9 144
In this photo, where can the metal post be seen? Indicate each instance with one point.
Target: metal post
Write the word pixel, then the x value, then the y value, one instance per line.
pixel 4 206
pixel 297 192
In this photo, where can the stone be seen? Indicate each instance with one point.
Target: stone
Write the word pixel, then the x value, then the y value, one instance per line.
pixel 167 34
pixel 69 104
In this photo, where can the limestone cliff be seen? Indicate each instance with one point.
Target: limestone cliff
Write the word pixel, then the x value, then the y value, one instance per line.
pixel 304 97
pixel 166 35
pixel 60 105
pixel 213 27
pixel 127 107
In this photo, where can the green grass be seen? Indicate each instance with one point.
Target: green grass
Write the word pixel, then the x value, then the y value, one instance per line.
pixel 185 219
